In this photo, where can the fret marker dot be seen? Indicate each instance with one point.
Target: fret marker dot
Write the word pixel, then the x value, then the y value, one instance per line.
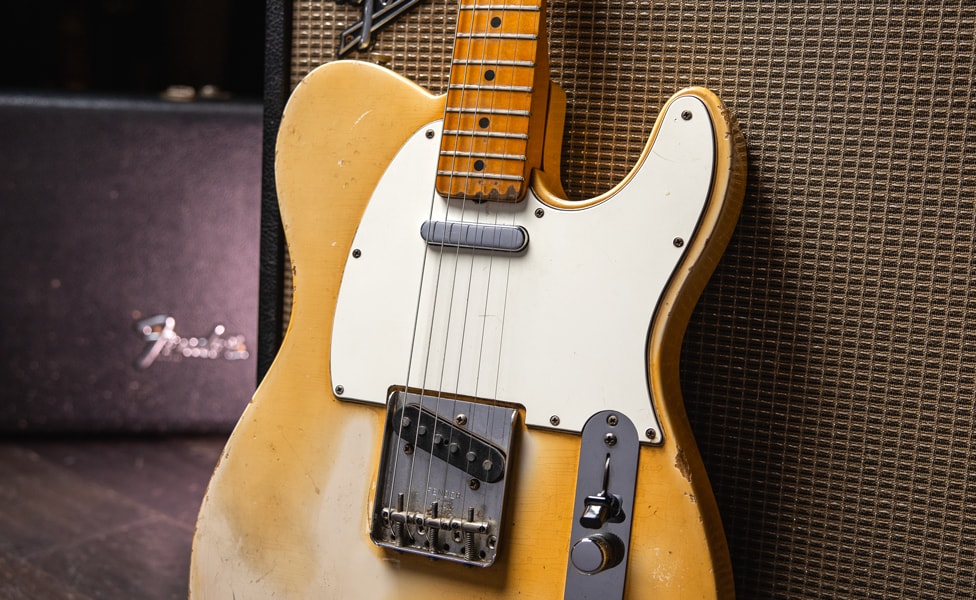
pixel 489 75
pixel 484 123
pixel 496 21
pixel 479 165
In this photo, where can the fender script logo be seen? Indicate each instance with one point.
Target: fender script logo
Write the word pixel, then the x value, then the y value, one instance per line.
pixel 163 343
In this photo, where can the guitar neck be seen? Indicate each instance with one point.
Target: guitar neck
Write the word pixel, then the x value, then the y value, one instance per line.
pixel 496 101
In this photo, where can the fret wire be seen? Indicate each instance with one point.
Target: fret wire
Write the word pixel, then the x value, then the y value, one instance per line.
pixel 489 111
pixel 503 7
pixel 491 88
pixel 489 134
pixel 497 36
pixel 499 62
pixel 448 153
pixel 481 175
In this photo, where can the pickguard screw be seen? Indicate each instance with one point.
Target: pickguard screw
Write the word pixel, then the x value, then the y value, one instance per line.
pixel 430 134
pixel 339 390
pixel 686 115
pixel 357 253
pixel 678 242
pixel 554 420
pixel 539 212
pixel 474 484
pixel 650 433
pixel 612 420
pixel 610 439
pixel 461 419
pixel 408 448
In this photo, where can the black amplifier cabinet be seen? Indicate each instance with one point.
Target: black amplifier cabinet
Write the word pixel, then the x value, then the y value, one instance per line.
pixel 129 250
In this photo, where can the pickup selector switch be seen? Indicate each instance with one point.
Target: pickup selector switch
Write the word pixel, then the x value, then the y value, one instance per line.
pixel 596 553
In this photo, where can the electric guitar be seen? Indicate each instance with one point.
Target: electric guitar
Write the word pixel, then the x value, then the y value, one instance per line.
pixel 478 393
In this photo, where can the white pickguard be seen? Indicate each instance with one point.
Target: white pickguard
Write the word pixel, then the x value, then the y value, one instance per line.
pixel 560 329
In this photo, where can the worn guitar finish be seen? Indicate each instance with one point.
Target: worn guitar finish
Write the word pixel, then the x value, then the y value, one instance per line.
pixel 293 504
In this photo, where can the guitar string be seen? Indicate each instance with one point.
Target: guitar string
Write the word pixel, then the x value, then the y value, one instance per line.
pixel 489 425
pixel 479 93
pixel 482 216
pixel 433 194
pixel 435 297
pixel 436 292
pixel 454 274
pixel 479 90
pixel 410 359
pixel 491 258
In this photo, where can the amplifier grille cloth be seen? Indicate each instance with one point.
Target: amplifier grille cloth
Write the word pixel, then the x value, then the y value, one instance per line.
pixel 830 368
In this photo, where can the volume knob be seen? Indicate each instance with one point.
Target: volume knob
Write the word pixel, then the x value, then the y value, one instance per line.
pixel 596 553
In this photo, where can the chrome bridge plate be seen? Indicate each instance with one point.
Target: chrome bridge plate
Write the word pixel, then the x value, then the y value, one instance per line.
pixel 442 477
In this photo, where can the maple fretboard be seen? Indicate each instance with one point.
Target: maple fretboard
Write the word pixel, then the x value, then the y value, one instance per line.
pixel 485 148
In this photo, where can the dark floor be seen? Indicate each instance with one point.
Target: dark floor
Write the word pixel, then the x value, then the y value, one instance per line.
pixel 102 518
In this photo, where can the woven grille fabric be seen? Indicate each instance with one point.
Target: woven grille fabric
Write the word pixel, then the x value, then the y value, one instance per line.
pixel 829 370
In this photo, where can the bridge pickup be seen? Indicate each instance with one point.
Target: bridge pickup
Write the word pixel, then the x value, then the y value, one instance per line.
pixel 475 236
pixel 454 445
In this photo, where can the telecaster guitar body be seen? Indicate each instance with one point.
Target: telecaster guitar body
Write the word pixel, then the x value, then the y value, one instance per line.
pixel 553 312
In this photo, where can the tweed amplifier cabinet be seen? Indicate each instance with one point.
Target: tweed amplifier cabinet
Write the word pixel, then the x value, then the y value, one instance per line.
pixel 829 370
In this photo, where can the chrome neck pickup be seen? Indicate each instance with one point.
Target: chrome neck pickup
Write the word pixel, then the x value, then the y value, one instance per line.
pixel 442 477
pixel 475 236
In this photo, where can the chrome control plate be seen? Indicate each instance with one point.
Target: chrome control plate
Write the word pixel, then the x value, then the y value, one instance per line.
pixel 605 485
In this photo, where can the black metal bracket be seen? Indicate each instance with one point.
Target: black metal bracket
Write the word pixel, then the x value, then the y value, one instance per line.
pixel 377 14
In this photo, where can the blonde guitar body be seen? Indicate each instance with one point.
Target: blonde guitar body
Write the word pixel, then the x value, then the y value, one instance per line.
pixel 287 513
